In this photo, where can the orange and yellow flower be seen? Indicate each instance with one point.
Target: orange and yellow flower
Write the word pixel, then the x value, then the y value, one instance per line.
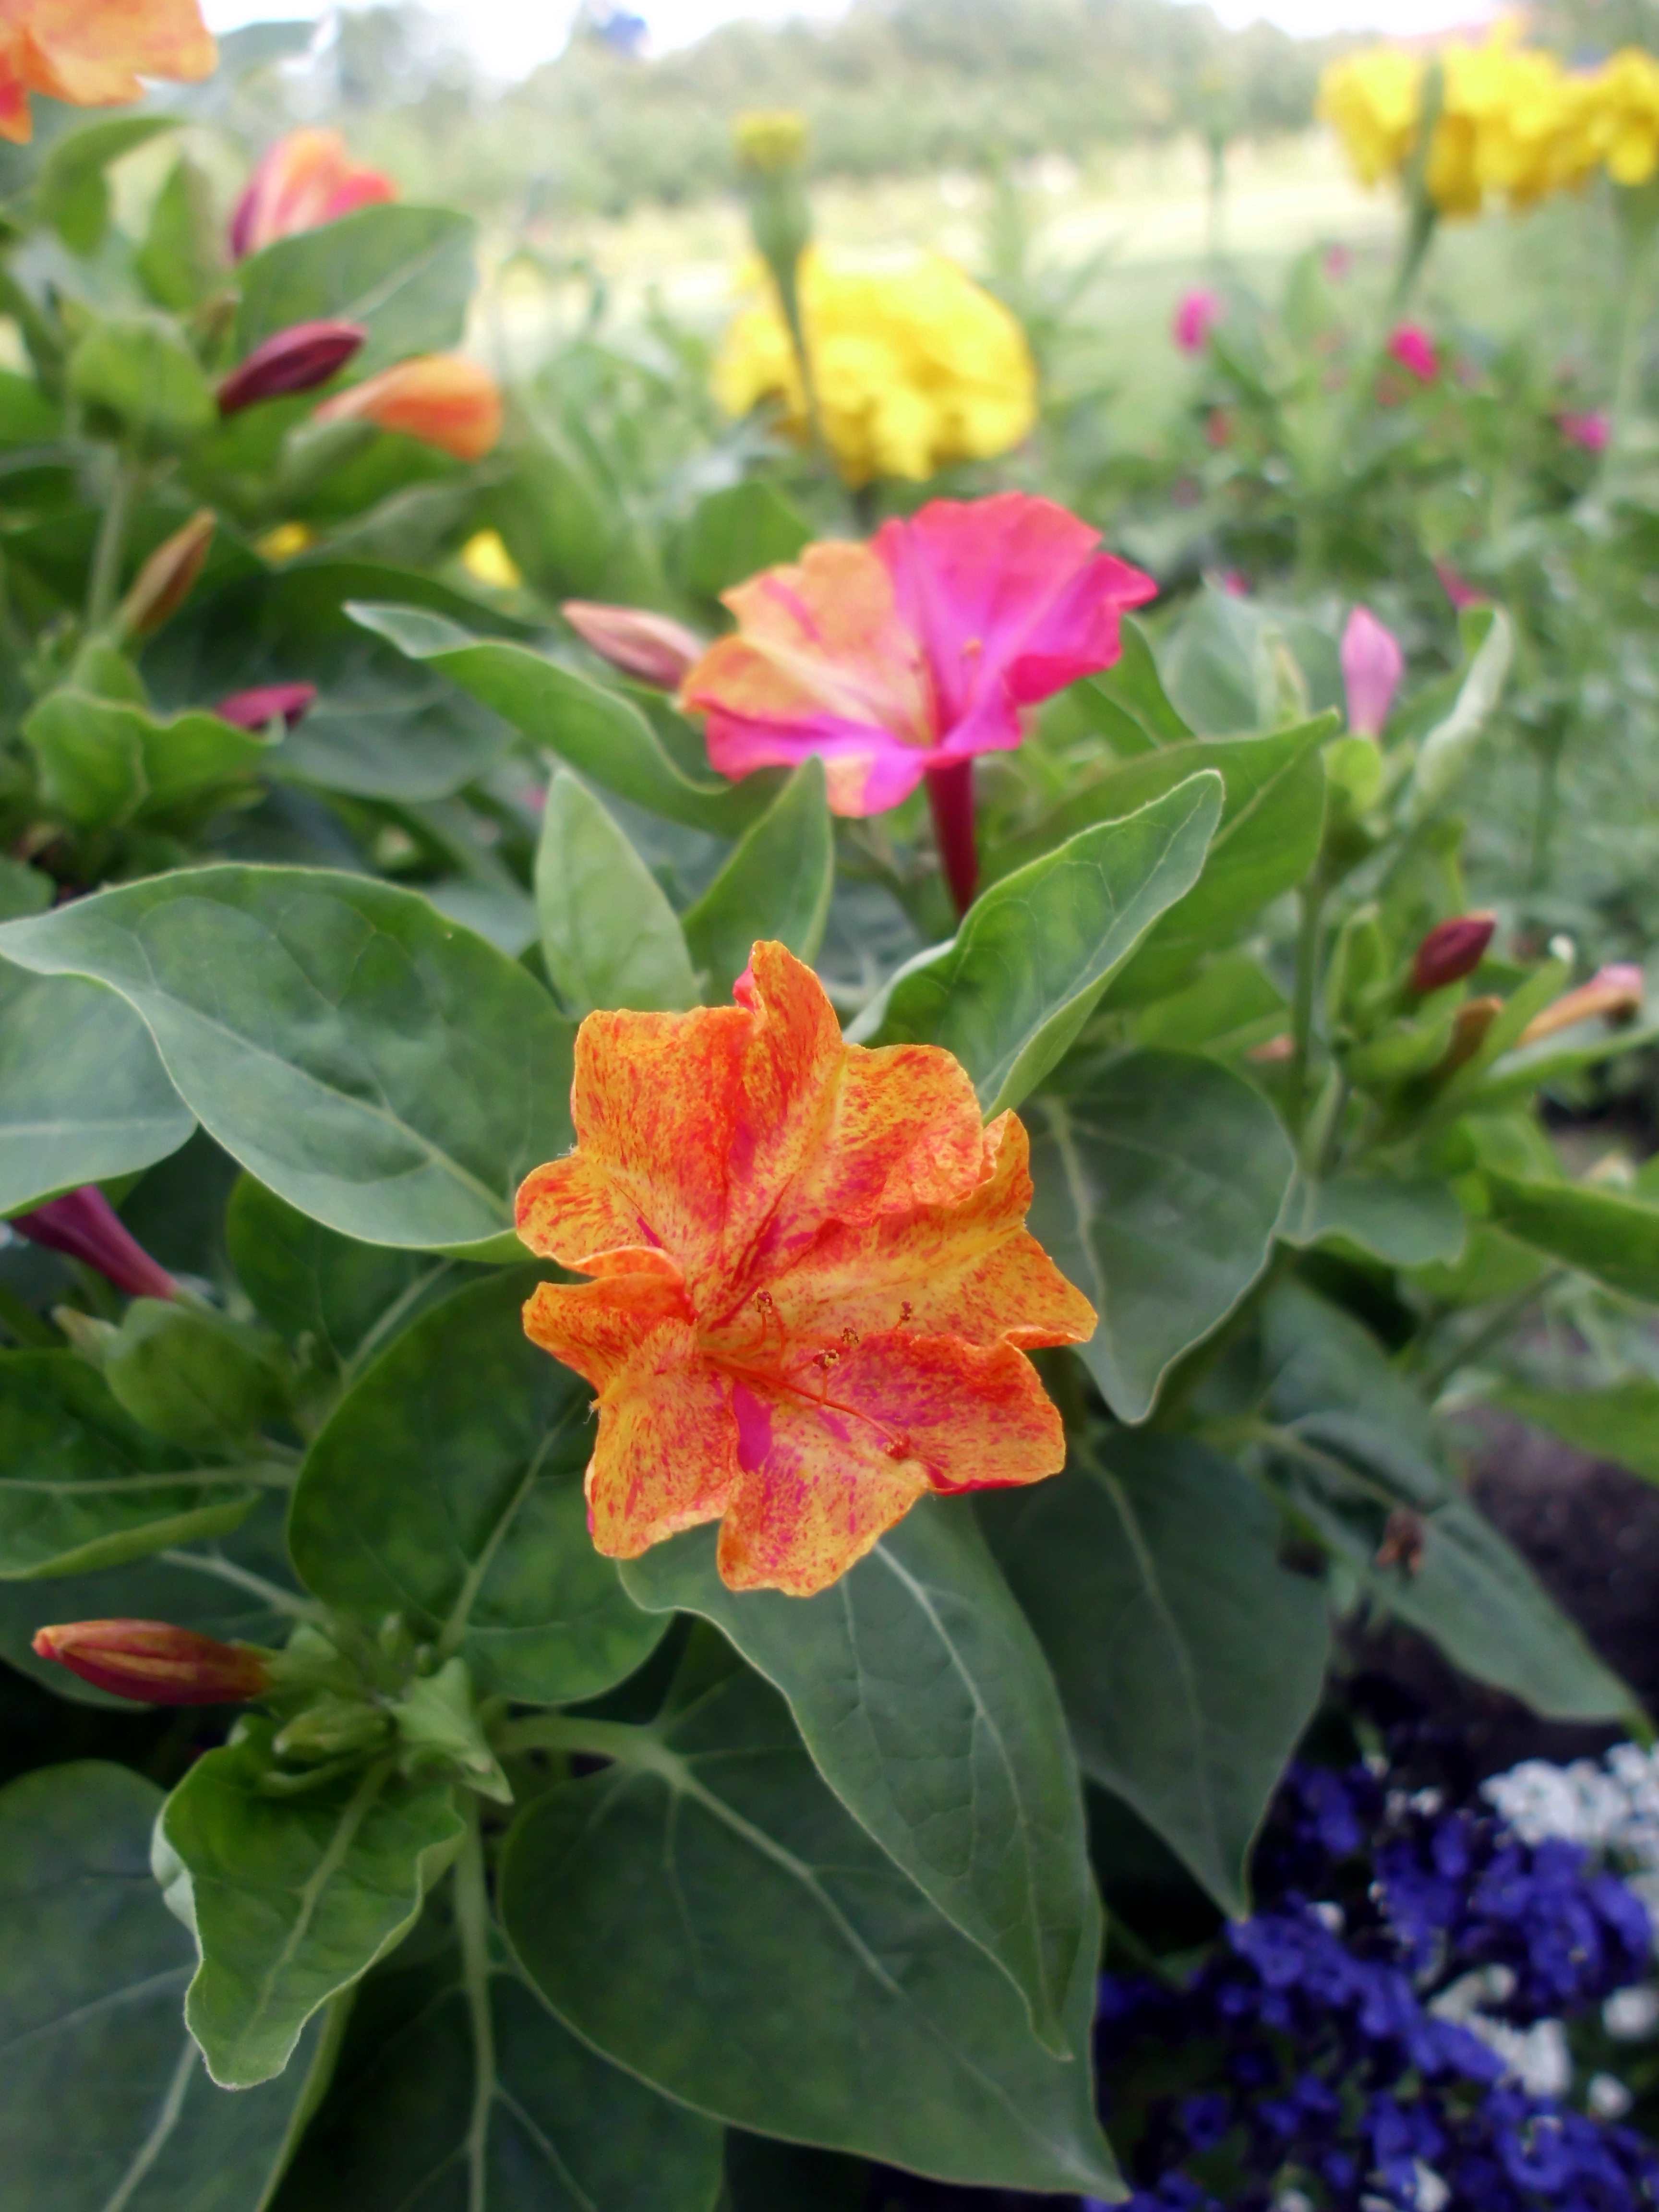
pixel 93 53
pixel 305 180
pixel 813 1290
pixel 441 398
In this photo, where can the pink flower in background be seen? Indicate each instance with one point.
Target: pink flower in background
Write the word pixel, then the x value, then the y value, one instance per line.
pixel 1219 427
pixel 266 703
pixel 1372 665
pixel 1411 346
pixel 910 654
pixel 1458 589
pixel 1339 262
pixel 1197 313
pixel 85 1226
pixel 1591 429
pixel 1236 584
pixel 653 648
pixel 303 181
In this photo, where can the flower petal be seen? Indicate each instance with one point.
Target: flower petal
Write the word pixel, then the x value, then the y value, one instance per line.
pixel 666 1454
pixel 597 1328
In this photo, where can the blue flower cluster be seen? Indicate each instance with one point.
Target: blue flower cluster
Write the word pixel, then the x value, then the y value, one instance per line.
pixel 1316 2056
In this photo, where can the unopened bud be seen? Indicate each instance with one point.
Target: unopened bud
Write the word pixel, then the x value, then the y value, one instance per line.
pixel 85 1226
pixel 1469 1026
pixel 298 359
pixel 770 140
pixel 267 703
pixel 167 578
pixel 1615 991
pixel 1372 665
pixel 654 648
pixel 441 398
pixel 1451 951
pixel 156 1662
pixel 1272 1050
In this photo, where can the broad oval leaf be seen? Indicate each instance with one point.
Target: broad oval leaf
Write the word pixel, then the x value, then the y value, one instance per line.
pixel 93 1969
pixel 922 1696
pixel 290 1898
pixel 1159 1179
pixel 378 1066
pixel 717 1922
pixel 1012 990
pixel 1189 1660
pixel 776 884
pixel 102 761
pixel 1607 1235
pixel 82 1486
pixel 406 273
pixel 609 936
pixel 447 1486
pixel 1407 1221
pixel 596 730
pixel 83 1095
pixel 547 2126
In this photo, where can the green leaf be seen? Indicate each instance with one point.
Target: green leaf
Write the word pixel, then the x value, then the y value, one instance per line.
pixel 1128 703
pixel 447 1486
pixel 1446 753
pixel 920 1692
pixel 406 273
pixel 93 1968
pixel 377 1067
pixel 609 936
pixel 1234 664
pixel 1231 1005
pixel 714 1920
pixel 776 884
pixel 191 1376
pixel 555 2128
pixel 82 1486
pixel 139 368
pixel 103 762
pixel 1613 1237
pixel 1406 1220
pixel 1160 1180
pixel 182 259
pixel 1189 1660
pixel 1267 839
pixel 1035 953
pixel 733 534
pixel 1333 1387
pixel 1619 1422
pixel 347 1298
pixel 290 1898
pixel 83 1095
pixel 596 730
pixel 565 520
pixel 71 192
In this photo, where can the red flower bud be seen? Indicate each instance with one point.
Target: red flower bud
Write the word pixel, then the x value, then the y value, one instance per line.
pixel 655 648
pixel 83 1224
pixel 156 1662
pixel 167 578
pixel 266 703
pixel 1451 951
pixel 295 359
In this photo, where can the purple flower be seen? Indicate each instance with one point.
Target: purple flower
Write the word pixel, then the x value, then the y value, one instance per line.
pixel 1372 665
pixel 84 1225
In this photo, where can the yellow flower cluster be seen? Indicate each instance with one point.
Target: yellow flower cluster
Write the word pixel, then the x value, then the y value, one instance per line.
pixel 1513 123
pixel 913 365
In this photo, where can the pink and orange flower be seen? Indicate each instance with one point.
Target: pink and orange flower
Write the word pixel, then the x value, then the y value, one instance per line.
pixel 93 53
pixel 441 398
pixel 913 652
pixel 305 180
pixel 812 1289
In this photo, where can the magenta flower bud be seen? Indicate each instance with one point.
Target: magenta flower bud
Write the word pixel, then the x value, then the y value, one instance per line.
pixel 1197 313
pixel 266 703
pixel 1451 951
pixel 654 648
pixel 156 1662
pixel 1458 589
pixel 296 360
pixel 1372 665
pixel 1591 429
pixel 84 1225
pixel 1411 346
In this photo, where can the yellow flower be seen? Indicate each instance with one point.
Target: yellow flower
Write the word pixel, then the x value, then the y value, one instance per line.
pixel 770 139
pixel 913 366
pixel 485 558
pixel 286 542
pixel 1622 120
pixel 1373 100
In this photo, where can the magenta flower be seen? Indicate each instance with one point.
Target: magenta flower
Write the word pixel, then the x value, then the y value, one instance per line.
pixel 85 1226
pixel 1197 313
pixel 1458 589
pixel 267 703
pixel 1591 429
pixel 1372 665
pixel 1411 346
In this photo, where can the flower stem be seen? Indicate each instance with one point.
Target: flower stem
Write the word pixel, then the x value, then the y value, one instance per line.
pixel 950 795
pixel 105 584
pixel 472 1926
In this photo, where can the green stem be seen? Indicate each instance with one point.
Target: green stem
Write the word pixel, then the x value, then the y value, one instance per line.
pixel 104 588
pixel 1491 1331
pixel 1312 902
pixel 471 1899
pixel 227 1570
pixel 616 1739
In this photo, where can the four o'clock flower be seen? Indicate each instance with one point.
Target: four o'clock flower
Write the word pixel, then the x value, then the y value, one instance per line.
pixel 441 398
pixel 1372 665
pixel 156 1662
pixel 297 359
pixel 1591 429
pixel 305 180
pixel 93 55
pixel 1614 992
pixel 1197 313
pixel 906 657
pixel 1412 346
pixel 85 1226
pixel 651 648
pixel 265 704
pixel 812 1289
pixel 1452 950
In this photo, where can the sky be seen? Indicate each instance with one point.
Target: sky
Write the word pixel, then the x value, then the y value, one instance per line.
pixel 509 37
